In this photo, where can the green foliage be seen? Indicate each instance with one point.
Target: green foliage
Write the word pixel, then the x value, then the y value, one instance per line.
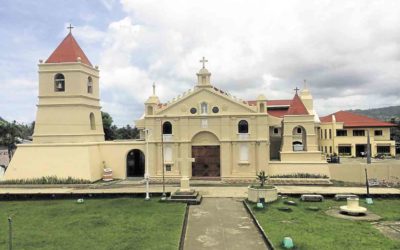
pixel 112 132
pixel 301 175
pixel 262 178
pixel 47 180
pixel 119 223
pixel 315 230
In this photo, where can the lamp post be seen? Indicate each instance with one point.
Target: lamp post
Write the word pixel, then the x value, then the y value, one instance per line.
pixel 146 175
pixel 164 196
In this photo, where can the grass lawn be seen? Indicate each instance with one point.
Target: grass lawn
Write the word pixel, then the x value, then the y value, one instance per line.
pixel 120 223
pixel 316 230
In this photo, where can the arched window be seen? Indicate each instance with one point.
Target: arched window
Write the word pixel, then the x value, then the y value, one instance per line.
pixel 92 122
pixel 167 128
pixel 204 108
pixel 90 85
pixel 243 127
pixel 59 83
pixel 298 130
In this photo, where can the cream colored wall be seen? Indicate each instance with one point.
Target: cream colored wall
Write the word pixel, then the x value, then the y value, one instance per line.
pixel 81 161
pixel 311 152
pixel 335 141
pixel 65 116
pixel 356 173
pixel 222 125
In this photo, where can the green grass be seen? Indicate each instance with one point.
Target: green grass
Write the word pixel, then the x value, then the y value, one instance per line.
pixel 121 223
pixel 316 230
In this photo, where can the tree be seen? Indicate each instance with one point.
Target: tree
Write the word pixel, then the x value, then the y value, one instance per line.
pixel 9 134
pixel 127 132
pixel 109 129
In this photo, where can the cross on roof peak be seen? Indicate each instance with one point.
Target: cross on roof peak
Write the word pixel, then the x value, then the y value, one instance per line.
pixel 203 61
pixel 296 89
pixel 70 27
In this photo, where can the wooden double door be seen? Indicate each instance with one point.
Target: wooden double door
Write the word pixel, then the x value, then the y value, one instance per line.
pixel 207 161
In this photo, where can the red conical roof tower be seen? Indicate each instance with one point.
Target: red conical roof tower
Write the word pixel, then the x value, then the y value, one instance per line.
pixel 297 107
pixel 68 51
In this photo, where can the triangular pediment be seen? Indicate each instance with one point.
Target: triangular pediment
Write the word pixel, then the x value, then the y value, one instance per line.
pixel 210 95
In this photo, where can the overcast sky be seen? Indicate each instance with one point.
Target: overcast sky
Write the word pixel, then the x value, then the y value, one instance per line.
pixel 349 51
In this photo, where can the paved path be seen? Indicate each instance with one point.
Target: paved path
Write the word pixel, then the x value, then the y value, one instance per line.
pixel 206 191
pixel 221 224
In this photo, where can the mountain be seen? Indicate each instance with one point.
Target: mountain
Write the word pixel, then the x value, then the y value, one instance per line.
pixel 384 114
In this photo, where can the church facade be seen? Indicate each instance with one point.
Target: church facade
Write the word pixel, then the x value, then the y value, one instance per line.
pixel 202 133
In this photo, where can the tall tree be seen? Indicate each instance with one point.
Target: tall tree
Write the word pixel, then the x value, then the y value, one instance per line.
pixel 108 127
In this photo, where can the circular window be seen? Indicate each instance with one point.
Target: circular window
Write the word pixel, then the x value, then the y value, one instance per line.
pixel 215 110
pixel 193 110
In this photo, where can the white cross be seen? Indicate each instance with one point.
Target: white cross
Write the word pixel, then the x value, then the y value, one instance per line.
pixel 203 61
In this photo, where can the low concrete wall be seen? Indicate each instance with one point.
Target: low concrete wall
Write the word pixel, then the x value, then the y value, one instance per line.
pixel 388 171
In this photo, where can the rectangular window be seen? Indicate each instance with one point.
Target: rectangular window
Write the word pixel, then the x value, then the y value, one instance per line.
pixel 321 133
pixel 330 149
pixel 344 150
pixel 244 153
pixel 341 132
pixel 326 149
pixel 167 153
pixel 168 167
pixel 383 149
pixel 358 132
pixel 325 134
pixel 330 133
pixel 378 133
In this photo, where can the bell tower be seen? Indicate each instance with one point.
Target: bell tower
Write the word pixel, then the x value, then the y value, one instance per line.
pixel 69 106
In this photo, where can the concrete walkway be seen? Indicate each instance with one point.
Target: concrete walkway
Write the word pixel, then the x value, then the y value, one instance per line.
pixel 221 223
pixel 206 191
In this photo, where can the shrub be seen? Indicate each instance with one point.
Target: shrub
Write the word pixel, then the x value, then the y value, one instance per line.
pixel 301 175
pixel 47 180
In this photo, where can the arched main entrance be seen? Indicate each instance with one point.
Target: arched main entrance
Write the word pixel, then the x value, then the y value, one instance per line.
pixel 135 163
pixel 206 152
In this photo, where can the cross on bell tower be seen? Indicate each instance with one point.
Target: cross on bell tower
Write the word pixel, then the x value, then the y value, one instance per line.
pixel 70 27
pixel 203 61
pixel 203 77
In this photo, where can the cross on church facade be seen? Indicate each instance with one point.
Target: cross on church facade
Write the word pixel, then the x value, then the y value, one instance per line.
pixel 70 27
pixel 296 89
pixel 203 61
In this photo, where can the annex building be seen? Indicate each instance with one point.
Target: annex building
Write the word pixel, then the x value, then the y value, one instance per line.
pixel 202 133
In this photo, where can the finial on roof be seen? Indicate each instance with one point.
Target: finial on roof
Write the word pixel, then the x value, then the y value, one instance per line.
pixel 305 84
pixel 70 27
pixel 154 88
pixel 203 61
pixel 296 89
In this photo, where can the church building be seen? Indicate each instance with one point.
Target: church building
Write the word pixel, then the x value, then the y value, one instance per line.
pixel 202 133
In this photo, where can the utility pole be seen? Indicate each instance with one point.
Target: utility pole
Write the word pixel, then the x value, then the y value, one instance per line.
pixel 366 181
pixel 368 148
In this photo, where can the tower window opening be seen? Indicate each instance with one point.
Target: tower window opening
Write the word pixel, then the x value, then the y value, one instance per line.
pixel 59 83
pixel 90 85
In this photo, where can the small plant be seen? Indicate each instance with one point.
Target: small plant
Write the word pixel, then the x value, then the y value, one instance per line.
pixel 262 178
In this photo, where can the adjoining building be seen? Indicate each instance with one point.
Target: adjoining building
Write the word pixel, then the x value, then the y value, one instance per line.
pixel 346 134
pixel 205 131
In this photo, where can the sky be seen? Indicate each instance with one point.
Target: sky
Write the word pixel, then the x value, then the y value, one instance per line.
pixel 347 50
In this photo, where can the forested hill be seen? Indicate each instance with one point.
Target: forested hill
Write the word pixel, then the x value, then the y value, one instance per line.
pixel 385 114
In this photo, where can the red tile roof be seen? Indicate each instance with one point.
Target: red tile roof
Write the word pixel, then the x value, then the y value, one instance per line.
pixel 68 51
pixel 297 107
pixel 277 112
pixel 278 102
pixel 350 119
pixel 273 102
